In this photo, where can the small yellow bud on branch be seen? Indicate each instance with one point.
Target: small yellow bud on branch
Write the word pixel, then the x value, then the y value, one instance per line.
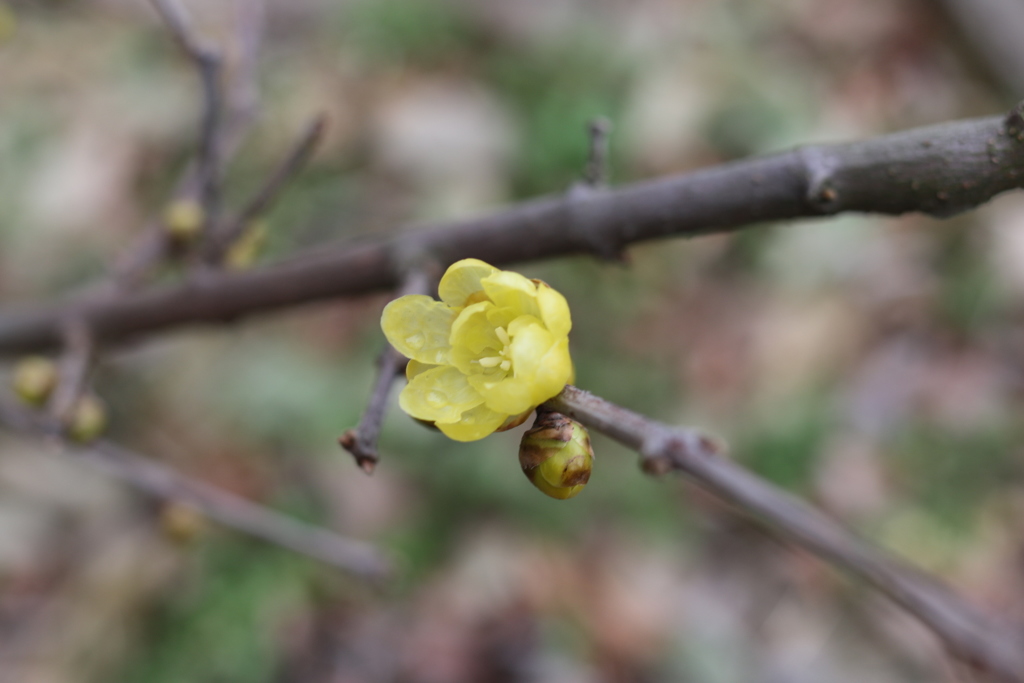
pixel 34 380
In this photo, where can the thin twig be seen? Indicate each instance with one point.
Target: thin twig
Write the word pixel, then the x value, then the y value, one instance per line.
pixel 597 173
pixel 208 64
pixel 297 158
pixel 983 641
pixel 239 104
pixel 220 506
pixel 73 373
pixel 361 442
pixel 937 170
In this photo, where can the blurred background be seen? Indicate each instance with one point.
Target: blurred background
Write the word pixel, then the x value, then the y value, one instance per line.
pixel 872 365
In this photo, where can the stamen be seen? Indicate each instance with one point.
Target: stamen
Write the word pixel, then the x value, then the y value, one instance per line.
pixel 502 335
pixel 490 361
pixel 505 365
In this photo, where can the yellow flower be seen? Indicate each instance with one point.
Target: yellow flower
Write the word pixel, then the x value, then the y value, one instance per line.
pixel 494 348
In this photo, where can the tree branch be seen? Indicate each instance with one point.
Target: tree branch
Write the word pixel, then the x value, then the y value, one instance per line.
pixel 227 509
pixel 938 170
pixel 208 65
pixel 73 374
pixel 361 442
pixel 227 114
pixel 978 639
pixel 301 152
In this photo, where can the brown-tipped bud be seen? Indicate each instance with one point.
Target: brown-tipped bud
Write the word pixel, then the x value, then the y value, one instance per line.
pixel 34 379
pixel 246 249
pixel 184 220
pixel 556 456
pixel 180 522
pixel 88 419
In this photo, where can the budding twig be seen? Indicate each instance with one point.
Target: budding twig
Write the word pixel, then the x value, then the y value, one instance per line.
pixel 208 65
pixel 224 121
pixel 293 163
pixel 73 373
pixel 361 442
pixel 234 512
pixel 979 639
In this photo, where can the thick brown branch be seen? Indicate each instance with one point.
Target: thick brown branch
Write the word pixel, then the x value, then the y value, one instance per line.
pixel 992 646
pixel 938 170
pixel 237 513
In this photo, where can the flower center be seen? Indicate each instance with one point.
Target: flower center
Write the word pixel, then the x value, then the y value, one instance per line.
pixel 504 358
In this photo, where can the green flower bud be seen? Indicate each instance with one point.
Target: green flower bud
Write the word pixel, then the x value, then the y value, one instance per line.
pixel 184 220
pixel 34 380
pixel 88 419
pixel 556 456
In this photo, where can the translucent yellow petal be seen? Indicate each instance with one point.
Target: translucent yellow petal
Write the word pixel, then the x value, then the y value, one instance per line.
pixel 462 280
pixel 501 317
pixel 472 329
pixel 510 396
pixel 554 310
pixel 541 360
pixel 440 395
pixel 418 327
pixel 511 290
pixel 416 368
pixel 474 424
pixel 522 322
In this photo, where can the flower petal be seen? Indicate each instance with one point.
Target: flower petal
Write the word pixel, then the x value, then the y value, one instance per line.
pixel 462 280
pixel 474 424
pixel 414 367
pixel 554 310
pixel 440 395
pixel 473 330
pixel 511 290
pixel 510 396
pixel 540 359
pixel 418 327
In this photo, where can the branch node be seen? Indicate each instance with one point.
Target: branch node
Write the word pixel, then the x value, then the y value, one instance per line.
pixel 1014 121
pixel 819 168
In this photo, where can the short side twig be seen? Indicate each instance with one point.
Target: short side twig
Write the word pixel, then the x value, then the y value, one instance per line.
pixel 224 122
pixel 73 373
pixel 361 442
pixel 232 511
pixel 597 173
pixel 983 641
pixel 208 65
pixel 221 239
